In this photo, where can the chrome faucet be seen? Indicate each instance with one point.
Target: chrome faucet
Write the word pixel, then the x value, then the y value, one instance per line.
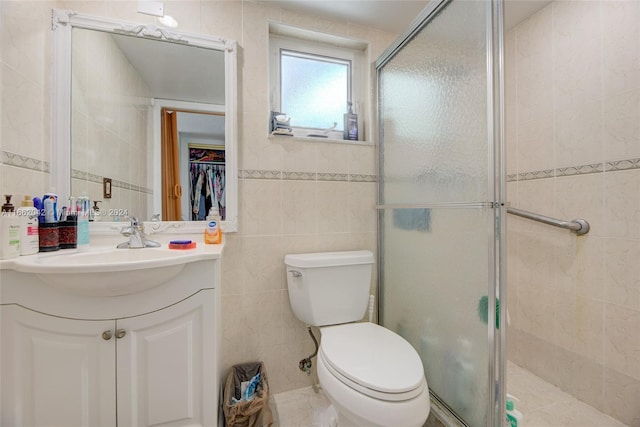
pixel 137 238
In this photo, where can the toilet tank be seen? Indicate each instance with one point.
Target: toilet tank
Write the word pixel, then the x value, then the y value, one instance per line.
pixel 329 288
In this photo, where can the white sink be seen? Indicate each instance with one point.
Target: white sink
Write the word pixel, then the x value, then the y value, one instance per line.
pixel 107 271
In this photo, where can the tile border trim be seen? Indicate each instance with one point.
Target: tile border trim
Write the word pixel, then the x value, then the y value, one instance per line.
pixel 30 163
pixel 304 176
pixel 612 166
pixel 91 177
pixel 20 161
pixel 25 162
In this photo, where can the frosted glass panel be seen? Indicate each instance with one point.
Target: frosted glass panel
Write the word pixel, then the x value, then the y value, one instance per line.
pixel 314 90
pixel 433 95
pixel 434 278
pixel 437 263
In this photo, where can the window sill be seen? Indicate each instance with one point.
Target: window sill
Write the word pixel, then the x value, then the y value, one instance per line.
pixel 315 139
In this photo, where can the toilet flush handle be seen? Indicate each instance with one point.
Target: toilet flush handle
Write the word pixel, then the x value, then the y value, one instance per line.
pixel 295 273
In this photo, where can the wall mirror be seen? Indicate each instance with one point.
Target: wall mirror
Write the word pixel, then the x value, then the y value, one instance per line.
pixel 152 112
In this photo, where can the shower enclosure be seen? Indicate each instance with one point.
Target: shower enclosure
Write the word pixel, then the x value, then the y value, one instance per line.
pixel 440 211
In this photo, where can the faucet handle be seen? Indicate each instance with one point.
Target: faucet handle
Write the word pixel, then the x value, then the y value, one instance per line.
pixel 132 227
pixel 137 224
pixel 133 221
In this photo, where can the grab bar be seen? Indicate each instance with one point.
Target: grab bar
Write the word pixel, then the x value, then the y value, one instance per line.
pixel 579 225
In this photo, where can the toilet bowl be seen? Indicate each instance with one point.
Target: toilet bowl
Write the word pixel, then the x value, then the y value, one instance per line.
pixel 372 376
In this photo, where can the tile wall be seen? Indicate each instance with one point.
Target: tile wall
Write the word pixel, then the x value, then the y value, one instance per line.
pixel 573 150
pixel 294 196
pixel 25 49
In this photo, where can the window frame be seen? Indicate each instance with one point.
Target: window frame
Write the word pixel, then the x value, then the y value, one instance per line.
pixel 356 81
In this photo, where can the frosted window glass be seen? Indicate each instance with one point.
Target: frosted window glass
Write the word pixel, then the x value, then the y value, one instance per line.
pixel 313 90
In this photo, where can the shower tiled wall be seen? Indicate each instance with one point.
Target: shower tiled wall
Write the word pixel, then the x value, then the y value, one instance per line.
pixel 294 196
pixel 573 150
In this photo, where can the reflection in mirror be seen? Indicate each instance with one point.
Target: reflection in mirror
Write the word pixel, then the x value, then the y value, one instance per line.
pixel 193 182
pixel 121 75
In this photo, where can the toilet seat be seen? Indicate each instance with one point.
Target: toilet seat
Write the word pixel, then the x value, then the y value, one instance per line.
pixel 372 360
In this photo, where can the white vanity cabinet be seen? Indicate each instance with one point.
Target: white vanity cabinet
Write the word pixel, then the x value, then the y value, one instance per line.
pixel 144 359
pixel 56 371
pixel 161 364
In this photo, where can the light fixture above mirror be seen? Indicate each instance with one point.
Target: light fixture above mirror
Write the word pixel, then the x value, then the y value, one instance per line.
pixel 96 135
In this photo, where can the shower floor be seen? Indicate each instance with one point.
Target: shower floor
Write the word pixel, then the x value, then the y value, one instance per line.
pixel 545 405
pixel 542 404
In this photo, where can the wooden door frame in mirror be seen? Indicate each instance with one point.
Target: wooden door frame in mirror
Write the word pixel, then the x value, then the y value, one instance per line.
pixel 62 24
pixel 180 106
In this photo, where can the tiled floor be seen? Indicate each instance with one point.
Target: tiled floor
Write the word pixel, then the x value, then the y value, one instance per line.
pixel 299 408
pixel 542 405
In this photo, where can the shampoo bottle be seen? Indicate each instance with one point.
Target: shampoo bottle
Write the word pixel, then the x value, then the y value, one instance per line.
pixel 28 215
pixel 463 378
pixel 514 417
pixel 213 234
pixel 350 124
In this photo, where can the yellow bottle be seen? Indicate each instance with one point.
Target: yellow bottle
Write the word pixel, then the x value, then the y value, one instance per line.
pixel 213 233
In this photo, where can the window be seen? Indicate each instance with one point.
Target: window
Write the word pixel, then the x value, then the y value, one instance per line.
pixel 313 78
pixel 314 89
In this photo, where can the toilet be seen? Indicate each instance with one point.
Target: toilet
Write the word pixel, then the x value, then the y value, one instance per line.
pixel 372 376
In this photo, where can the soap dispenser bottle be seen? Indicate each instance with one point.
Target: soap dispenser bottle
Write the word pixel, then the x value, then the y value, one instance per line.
pixel 213 233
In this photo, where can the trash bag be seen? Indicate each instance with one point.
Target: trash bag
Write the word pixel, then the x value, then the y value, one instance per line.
pixel 239 412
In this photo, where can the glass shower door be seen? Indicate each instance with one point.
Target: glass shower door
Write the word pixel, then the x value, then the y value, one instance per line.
pixel 440 202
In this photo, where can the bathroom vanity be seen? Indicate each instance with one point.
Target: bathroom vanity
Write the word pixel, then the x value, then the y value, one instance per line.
pixel 115 354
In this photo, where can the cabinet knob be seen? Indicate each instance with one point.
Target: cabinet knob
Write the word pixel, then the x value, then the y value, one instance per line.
pixel 106 335
pixel 120 333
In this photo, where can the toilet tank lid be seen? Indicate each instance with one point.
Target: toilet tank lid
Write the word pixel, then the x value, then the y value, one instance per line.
pixel 328 259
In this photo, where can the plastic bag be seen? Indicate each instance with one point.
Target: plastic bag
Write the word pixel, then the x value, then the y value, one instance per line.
pixel 247 413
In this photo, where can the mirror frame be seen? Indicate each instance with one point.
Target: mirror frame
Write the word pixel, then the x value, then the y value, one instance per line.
pixel 62 24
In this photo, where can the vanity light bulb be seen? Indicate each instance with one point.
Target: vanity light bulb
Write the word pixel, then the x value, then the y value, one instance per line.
pixel 168 21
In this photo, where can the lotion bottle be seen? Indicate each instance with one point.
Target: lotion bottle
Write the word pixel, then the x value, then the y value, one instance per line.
pixel 29 236
pixel 9 236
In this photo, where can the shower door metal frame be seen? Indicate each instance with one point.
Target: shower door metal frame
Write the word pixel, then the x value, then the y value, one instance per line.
pixel 496 338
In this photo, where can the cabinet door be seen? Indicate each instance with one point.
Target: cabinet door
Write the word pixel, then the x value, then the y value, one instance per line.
pixel 55 371
pixel 166 370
